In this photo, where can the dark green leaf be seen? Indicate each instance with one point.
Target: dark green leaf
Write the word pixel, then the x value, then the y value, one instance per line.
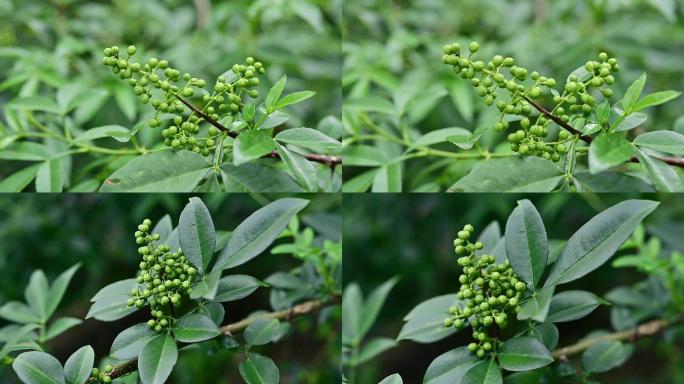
pixel 663 175
pixel 19 313
pixel 373 305
pixel 302 169
pixel 374 348
pixel 36 293
pixel 393 379
pixel 196 234
pixel 252 145
pixel 258 178
pixel 195 327
pixel 117 132
pixel 308 138
pixel 527 247
pixel 262 331
pixel 157 359
pixel 129 343
pixel 60 326
pixel 294 98
pixel 664 141
pixel 515 174
pixel 605 355
pixel 236 287
pixel 78 367
pixel 450 367
pixel 572 305
pixel 258 369
pixel 425 322
pixel 38 368
pixel 34 103
pixel 536 307
pixel 487 372
pixel 58 288
pixel 523 354
pixel 19 180
pixel 438 136
pixel 597 240
pixel 656 99
pixel 49 177
pixel 609 150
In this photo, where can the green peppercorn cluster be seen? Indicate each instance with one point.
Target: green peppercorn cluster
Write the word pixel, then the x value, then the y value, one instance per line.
pixel 163 86
pixel 490 291
pixel 165 276
pixel 529 138
pixel 103 376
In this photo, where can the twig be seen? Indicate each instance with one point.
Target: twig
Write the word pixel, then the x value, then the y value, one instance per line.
pixel 323 159
pixel 647 329
pixel 298 310
pixel 675 161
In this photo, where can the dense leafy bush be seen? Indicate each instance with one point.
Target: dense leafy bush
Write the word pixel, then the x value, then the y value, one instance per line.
pixel 69 126
pixel 181 280
pixel 415 126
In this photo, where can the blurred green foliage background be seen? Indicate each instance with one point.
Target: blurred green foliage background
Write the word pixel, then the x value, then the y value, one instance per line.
pixel 411 236
pixel 53 232
pixel 49 45
pixel 393 49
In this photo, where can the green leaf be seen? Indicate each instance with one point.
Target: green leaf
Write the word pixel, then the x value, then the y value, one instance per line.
pixel 117 288
pixel 662 174
pixel 487 372
pixel 214 311
pixel 294 98
pixel 633 93
pixel 597 240
pixel 572 305
pixel 374 348
pixel 236 287
pixel 258 369
pixel 25 151
pixel 79 365
pixel 36 293
pixel 392 379
pixel 536 307
pixel 15 334
pixel 195 327
pixel 373 305
pixel 527 247
pixel 49 176
pixel 163 171
pixel 117 132
pixel 371 104
pixel 364 156
pixel 38 368
pixel 252 145
pixel 258 231
pixel 523 354
pixel 352 306
pixel 60 326
pixel 111 308
pixel 157 359
pixel 34 103
pixel 308 138
pixel 19 313
pixel 196 234
pixel 207 287
pixel 656 99
pixel 515 174
pixel 274 93
pixel 360 183
pixel 129 343
pixel 663 141
pixel 547 333
pixel 58 288
pixel 439 136
pixel 19 180
pixel 425 322
pixel 605 355
pixel 262 331
pixel 257 178
pixel 302 169
pixel 609 150
pixel 450 367
pixel 610 182
pixel 388 179
pixel 630 122
pixel 273 120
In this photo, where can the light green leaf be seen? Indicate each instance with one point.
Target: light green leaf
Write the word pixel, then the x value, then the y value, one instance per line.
pixel 527 247
pixel 609 150
pixel 252 145
pixel 38 368
pixel 438 136
pixel 18 312
pixel 515 174
pixel 664 141
pixel 207 287
pixel 523 354
pixel 633 93
pixel 195 327
pixel 597 240
pixel 196 234
pixel 117 288
pixel 373 305
pixel 388 179
pixel 258 231
pixel 302 169
pixel 49 177
pixel 392 379
pixel 60 326
pixel 129 343
pixel 110 308
pixel 487 372
pixel 273 120
pixel 294 98
pixel 572 305
pixel 374 348
pixel 19 180
pixel 450 367
pixel 79 365
pixel 371 104
pixel 630 122
pixel 656 99
pixel 425 322
pixel 262 331
pixel 274 93
pixel 157 359
pixel 352 306
pixel 117 132
pixel 163 171
pixel 360 183
pixel 236 287
pixel 536 307
pixel 25 151
pixel 664 177
pixel 308 138
pixel 258 369
pixel 34 103
pixel 605 355
pixel 36 293
pixel 58 288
